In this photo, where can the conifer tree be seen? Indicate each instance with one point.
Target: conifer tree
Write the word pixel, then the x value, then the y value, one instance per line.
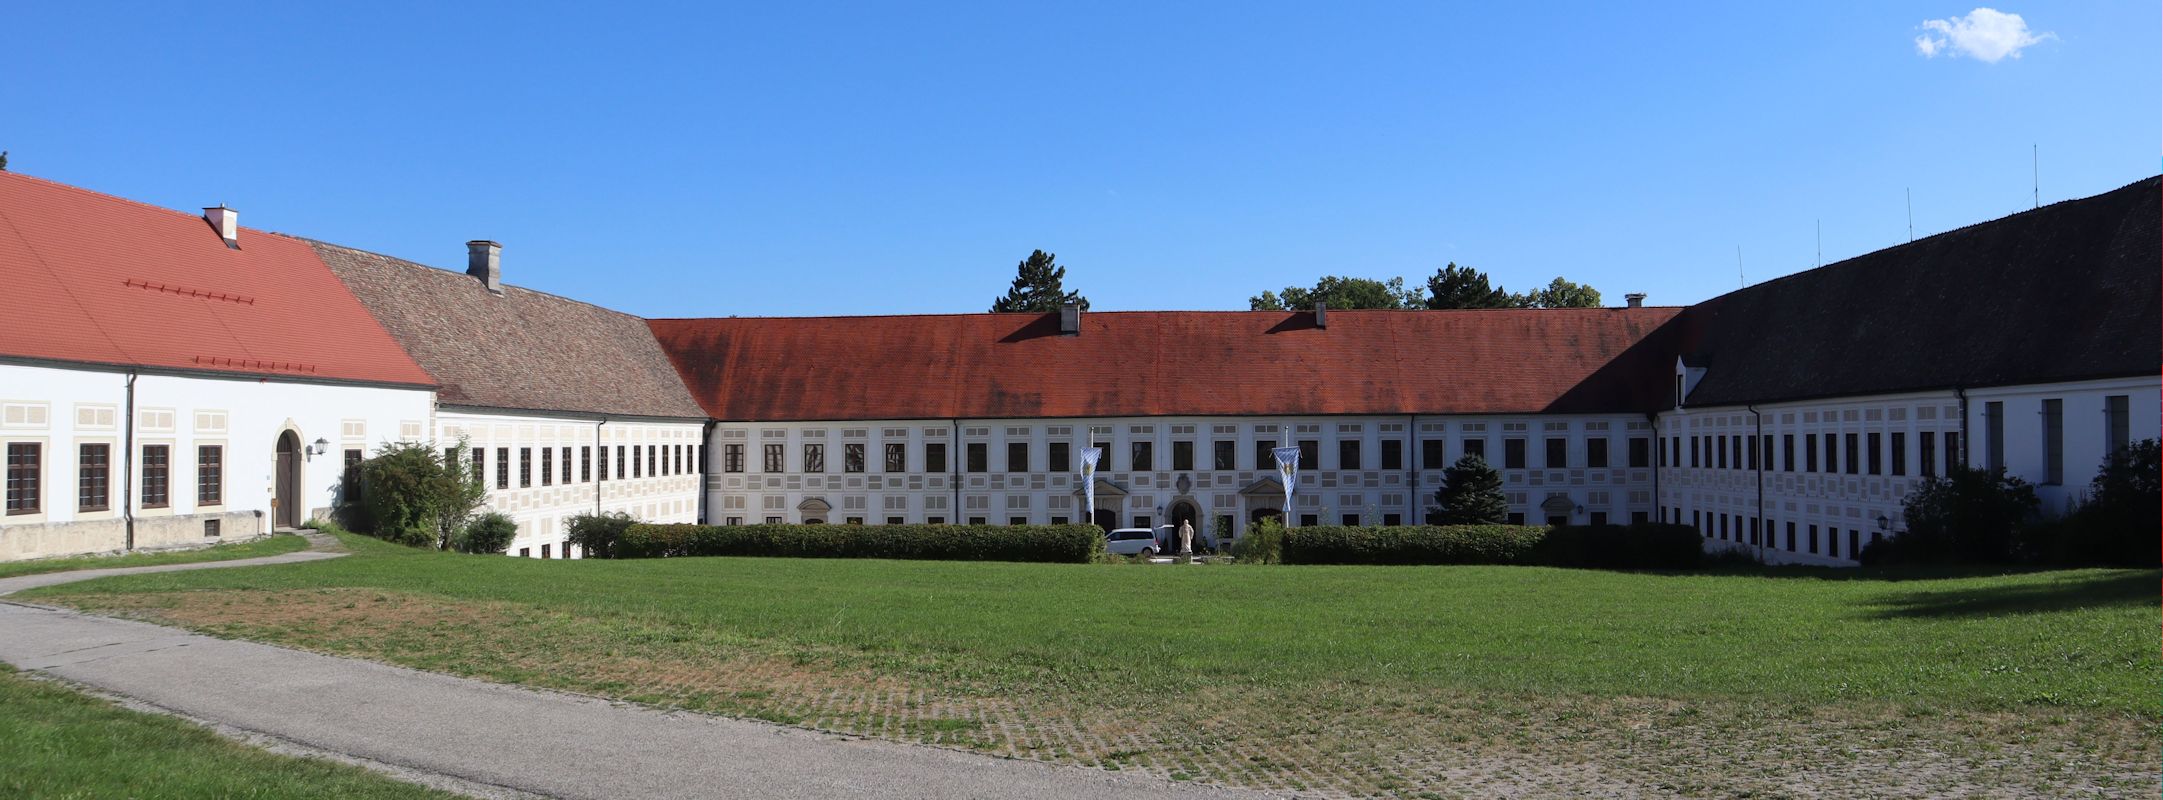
pixel 1471 494
pixel 1037 287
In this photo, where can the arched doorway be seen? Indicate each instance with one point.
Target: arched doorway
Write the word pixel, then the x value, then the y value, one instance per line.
pixel 1183 511
pixel 286 503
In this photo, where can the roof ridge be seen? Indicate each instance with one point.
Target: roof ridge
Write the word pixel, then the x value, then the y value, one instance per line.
pixel 418 265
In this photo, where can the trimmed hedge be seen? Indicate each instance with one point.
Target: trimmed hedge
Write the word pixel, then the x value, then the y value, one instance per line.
pixel 1412 544
pixel 1077 544
pixel 1643 545
pixel 1640 546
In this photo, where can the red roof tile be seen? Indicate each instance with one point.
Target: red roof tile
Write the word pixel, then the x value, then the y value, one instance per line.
pixel 1173 363
pixel 94 278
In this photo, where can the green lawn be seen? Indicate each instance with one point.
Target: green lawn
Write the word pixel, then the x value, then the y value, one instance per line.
pixel 56 743
pixel 1295 677
pixel 268 546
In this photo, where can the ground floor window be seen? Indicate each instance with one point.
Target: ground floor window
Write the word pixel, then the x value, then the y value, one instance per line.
pixel 209 475
pixel 157 475
pixel 93 488
pixel 25 473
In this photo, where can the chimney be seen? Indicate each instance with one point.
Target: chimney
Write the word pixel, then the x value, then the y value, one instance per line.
pixel 1070 320
pixel 484 260
pixel 226 222
pixel 1321 314
pixel 1635 299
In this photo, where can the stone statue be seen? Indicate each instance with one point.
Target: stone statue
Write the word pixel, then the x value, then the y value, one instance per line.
pixel 1186 537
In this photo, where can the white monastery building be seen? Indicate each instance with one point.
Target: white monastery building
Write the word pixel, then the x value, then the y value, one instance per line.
pixel 168 379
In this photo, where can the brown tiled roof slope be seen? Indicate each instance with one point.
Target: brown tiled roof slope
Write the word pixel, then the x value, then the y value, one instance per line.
pixel 524 350
pixel 1151 363
pixel 2064 292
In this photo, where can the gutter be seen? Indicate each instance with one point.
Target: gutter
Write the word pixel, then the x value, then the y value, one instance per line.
pixel 127 468
pixel 1757 446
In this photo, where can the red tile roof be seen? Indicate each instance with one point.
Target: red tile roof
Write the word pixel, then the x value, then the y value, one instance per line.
pixel 1146 363
pixel 94 278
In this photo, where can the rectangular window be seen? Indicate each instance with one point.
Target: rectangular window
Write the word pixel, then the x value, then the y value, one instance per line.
pixel 1348 454
pixel 1900 454
pixel 503 468
pixel 545 552
pixel 621 460
pixel 209 475
pixel 1262 457
pixel 1558 454
pixel 1430 454
pixel 565 460
pixel 1754 450
pixel 653 460
pixel 1640 452
pixel 2118 433
pixel 1695 454
pixel 1855 543
pixel 732 459
pixel 548 461
pixel 585 464
pixel 2053 442
pixel 1017 520
pixel 1787 452
pixel 639 461
pixel 934 457
pixel 1877 454
pixel 1719 452
pixel 1953 453
pixel 1017 456
pixel 1832 452
pixel 776 459
pixel 1810 452
pixel 157 475
pixel 1392 454
pixel 1599 517
pixel 1926 453
pixel 1791 537
pixel 1994 430
pixel 1854 457
pixel 1143 457
pixel 979 457
pixel 1516 518
pixel 1813 542
pixel 852 457
pixel 1596 452
pixel 480 470
pixel 25 478
pixel 1058 457
pixel 1735 444
pixel 897 457
pixel 1221 455
pixel 1310 454
pixel 1351 520
pixel 1475 447
pixel 1183 456
pixel 525 467
pixel 93 484
pixel 815 458
pixel 1513 453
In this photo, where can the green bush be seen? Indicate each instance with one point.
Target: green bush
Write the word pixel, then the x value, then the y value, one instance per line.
pixel 1263 544
pixel 597 534
pixel 1642 545
pixel 1413 544
pixel 1074 544
pixel 1967 516
pixel 2118 524
pixel 489 533
pixel 414 495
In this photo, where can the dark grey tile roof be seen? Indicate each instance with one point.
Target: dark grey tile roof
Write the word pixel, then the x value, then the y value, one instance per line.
pixel 523 350
pixel 2064 292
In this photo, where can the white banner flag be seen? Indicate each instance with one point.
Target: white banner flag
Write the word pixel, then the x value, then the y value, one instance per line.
pixel 1288 469
pixel 1089 456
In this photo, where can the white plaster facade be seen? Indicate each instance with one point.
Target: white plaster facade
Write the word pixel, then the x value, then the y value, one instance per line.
pixel 1834 472
pixel 60 409
pixel 1365 469
pixel 541 470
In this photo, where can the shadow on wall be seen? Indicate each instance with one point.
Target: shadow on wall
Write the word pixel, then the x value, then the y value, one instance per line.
pixel 2113 589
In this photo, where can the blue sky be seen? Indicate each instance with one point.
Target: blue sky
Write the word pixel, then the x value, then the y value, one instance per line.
pixel 800 158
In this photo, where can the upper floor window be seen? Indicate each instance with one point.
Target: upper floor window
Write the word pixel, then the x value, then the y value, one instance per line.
pixel 1393 454
pixel 1059 457
pixel 1640 452
pixel 897 457
pixel 934 457
pixel 25 478
pixel 1183 456
pixel 777 459
pixel 978 455
pixel 1348 454
pixel 1558 453
pixel 1143 457
pixel 852 457
pixel 1017 456
pixel 1596 452
pixel 1513 453
pixel 814 458
pixel 1310 454
pixel 732 458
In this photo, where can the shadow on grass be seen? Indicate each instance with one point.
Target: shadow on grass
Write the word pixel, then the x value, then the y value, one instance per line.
pixel 2130 588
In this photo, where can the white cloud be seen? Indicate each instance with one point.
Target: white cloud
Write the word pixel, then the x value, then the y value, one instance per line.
pixel 1985 34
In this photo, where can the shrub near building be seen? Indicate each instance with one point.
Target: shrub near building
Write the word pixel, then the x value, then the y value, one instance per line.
pixel 1078 544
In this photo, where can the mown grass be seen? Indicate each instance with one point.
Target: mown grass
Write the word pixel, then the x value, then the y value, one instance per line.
pixel 56 743
pixel 1459 681
pixel 2072 638
pixel 267 546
